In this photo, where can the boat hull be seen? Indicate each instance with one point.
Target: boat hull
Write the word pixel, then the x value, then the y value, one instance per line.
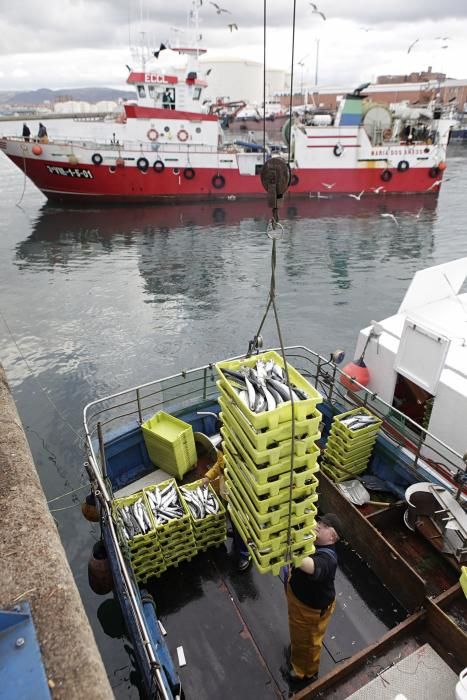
pixel 81 182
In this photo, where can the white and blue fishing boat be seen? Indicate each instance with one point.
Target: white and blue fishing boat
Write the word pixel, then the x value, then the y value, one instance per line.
pixel 400 492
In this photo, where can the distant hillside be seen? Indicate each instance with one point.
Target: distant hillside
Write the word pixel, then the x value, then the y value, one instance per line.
pixel 90 94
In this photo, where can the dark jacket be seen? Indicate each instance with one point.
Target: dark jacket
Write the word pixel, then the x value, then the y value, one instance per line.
pixel 317 590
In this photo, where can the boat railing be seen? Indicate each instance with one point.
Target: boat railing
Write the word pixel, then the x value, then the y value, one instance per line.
pixel 117 147
pixel 108 417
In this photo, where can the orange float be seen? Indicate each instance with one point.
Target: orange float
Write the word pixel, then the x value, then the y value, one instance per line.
pixel 37 150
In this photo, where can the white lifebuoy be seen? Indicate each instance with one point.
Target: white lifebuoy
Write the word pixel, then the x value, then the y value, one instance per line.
pixel 182 135
pixel 152 135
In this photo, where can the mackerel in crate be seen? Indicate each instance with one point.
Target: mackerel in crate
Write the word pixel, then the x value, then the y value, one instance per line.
pixel 259 388
pixel 172 519
pixel 134 522
pixel 207 513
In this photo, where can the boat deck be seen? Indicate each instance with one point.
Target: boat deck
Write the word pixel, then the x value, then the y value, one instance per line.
pixel 233 626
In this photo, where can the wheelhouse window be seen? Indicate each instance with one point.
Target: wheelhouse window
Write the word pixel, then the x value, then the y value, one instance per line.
pixel 196 93
pixel 141 91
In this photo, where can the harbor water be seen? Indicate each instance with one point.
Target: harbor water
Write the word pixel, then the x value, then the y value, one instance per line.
pixel 93 301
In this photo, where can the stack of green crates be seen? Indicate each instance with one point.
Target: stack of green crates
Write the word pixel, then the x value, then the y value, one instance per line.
pixel 348 451
pixel 257 449
pixel 176 538
pixel 170 443
pixel 210 531
pixel 143 552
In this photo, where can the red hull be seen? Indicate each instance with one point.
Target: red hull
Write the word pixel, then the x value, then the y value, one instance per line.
pixel 128 184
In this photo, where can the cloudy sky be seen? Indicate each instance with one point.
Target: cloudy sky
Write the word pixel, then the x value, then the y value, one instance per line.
pixel 77 43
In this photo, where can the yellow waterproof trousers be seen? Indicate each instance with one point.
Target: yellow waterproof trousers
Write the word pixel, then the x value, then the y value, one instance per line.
pixel 307 627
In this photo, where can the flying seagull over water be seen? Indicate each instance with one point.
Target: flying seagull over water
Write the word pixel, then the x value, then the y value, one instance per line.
pixel 412 45
pixel 232 26
pixel 417 215
pixel 328 185
pixel 377 190
pixel 318 12
pixel 219 9
pixel 435 184
pixel 390 216
pixel 357 196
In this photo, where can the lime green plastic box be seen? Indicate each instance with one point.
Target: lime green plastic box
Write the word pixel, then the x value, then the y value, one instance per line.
pixel 360 434
pixel 170 443
pixel 208 520
pixel 350 447
pixel 302 527
pixel 272 562
pixel 283 412
pixel 182 523
pixel 271 488
pixel 264 440
pixel 272 454
pixel 339 475
pixel 262 475
pixel 139 541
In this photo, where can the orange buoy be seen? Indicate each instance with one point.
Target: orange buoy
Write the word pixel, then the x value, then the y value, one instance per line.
pixel 99 573
pixel 357 370
pixel 89 509
pixel 442 165
pixel 37 150
pixel 120 163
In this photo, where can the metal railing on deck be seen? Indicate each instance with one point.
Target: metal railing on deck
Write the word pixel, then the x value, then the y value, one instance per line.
pixel 191 387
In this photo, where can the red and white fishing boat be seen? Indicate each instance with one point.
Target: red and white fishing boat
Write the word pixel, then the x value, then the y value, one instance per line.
pixel 165 148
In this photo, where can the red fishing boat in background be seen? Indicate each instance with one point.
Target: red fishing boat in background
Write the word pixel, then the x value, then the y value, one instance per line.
pixel 166 148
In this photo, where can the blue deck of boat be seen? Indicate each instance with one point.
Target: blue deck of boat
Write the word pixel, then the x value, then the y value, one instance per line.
pixel 233 626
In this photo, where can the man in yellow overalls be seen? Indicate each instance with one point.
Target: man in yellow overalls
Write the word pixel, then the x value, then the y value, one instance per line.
pixel 311 600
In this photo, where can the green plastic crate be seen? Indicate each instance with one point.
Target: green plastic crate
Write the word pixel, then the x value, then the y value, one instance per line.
pixel 337 439
pixel 266 529
pixel 272 561
pixel 270 488
pixel 301 529
pixel 208 519
pixel 202 546
pixel 265 504
pixel 283 412
pixel 264 474
pixel 360 434
pixel 176 526
pixel 272 454
pixel 140 541
pixel 339 475
pixel 170 443
pixel 263 440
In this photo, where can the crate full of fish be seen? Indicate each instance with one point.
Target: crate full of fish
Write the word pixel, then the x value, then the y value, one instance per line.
pixel 264 438
pixel 267 473
pixel 259 388
pixel 205 508
pixel 134 522
pixel 357 424
pixel 170 443
pixel 169 512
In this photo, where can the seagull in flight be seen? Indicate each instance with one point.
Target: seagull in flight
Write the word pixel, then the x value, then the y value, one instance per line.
pixel 219 9
pixel 412 45
pixel 232 26
pixel 390 216
pixel 417 215
pixel 435 184
pixel 443 38
pixel 328 186
pixel 318 12
pixel 357 196
pixel 377 190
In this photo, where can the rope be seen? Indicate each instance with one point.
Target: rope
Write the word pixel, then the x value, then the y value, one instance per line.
pixel 24 181
pixel 272 302
pixel 68 493
pixel 291 79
